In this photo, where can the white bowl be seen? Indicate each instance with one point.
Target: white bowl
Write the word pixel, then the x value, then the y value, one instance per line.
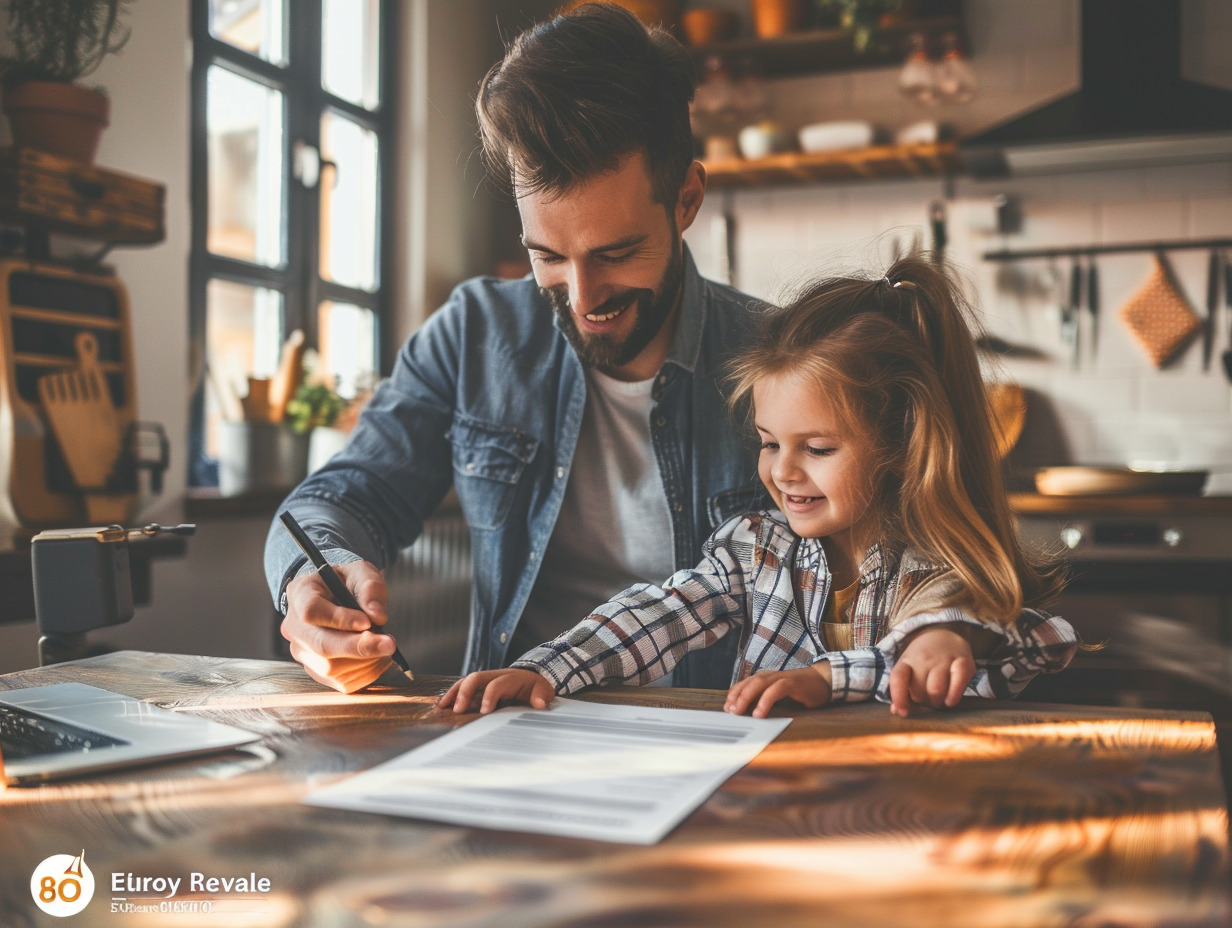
pixel 836 136
pixel 764 138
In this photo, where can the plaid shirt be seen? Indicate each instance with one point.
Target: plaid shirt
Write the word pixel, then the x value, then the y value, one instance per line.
pixel 763 582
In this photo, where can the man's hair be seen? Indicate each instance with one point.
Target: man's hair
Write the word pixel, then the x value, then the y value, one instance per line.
pixel 574 96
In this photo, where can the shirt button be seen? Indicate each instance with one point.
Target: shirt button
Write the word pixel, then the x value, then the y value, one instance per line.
pixel 534 556
pixel 662 379
pixel 678 506
pixel 470 465
pixel 560 473
pixel 660 421
pixel 504 637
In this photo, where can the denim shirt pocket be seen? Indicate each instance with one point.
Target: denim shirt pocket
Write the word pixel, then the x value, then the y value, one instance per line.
pixel 488 462
pixel 729 503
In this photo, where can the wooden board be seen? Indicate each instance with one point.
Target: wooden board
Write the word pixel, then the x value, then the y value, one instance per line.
pixel 995 814
pixel 61 195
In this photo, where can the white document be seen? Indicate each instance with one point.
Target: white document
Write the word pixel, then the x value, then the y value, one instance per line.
pixel 584 770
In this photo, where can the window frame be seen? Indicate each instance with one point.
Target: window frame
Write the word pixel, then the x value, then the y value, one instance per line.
pixel 297 278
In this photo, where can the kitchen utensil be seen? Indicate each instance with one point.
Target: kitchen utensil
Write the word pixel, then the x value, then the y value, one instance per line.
pixel 78 406
pixel 1158 317
pixel 937 223
pixel 228 400
pixel 1117 481
pixel 1009 412
pixel 1071 300
pixel 287 379
pixel 257 402
pixel 1093 305
pixel 1213 273
pixel 1227 299
pixel 1075 307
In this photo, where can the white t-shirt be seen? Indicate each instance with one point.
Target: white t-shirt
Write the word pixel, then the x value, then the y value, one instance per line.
pixel 614 527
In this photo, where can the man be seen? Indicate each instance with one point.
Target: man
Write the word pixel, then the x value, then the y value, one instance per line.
pixel 578 414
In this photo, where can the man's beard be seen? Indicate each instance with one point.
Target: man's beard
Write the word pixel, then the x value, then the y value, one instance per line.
pixel 607 352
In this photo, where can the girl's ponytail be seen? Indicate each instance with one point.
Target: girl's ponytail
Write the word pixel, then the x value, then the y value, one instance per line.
pixel 953 497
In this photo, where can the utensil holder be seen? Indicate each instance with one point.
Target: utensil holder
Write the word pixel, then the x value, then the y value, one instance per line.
pixel 255 456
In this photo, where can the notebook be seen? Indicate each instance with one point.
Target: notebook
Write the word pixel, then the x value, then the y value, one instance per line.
pixel 69 729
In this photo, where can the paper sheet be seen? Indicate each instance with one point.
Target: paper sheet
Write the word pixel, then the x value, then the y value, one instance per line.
pixel 586 770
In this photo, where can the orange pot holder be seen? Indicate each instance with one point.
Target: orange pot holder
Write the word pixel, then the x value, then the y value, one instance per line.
pixel 1158 317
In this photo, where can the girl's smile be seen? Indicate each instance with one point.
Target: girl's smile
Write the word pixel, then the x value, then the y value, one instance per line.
pixel 817 474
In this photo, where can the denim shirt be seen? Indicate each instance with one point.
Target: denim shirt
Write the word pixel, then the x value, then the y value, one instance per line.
pixel 487 396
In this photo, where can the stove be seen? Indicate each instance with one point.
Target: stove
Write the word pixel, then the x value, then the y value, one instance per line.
pixel 1151 580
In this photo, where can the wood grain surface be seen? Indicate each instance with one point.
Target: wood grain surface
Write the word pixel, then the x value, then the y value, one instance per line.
pixel 993 814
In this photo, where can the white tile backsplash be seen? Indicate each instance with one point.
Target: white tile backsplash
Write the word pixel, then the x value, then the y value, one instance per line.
pixel 1116 407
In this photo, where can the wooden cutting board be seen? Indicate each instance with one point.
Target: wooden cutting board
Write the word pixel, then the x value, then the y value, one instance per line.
pixel 1009 412
pixel 77 403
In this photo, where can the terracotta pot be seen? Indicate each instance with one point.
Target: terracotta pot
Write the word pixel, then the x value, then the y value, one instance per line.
pixel 63 119
pixel 702 27
pixel 664 13
pixel 773 18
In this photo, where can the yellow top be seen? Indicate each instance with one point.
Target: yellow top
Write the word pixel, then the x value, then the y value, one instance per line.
pixel 836 629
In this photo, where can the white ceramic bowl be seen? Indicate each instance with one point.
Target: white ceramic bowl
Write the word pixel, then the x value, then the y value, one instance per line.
pixel 764 138
pixel 836 136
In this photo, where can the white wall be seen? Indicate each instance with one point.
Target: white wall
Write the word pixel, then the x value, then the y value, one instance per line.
pixel 1115 408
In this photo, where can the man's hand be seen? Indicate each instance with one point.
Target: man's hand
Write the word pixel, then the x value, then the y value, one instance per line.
pixel 933 670
pixel 336 645
pixel 809 686
pixel 510 684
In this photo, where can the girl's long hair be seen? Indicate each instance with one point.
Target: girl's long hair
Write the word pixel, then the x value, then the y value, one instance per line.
pixel 896 358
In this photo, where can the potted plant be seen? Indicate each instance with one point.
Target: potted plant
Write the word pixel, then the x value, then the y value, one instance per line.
pixel 861 18
pixel 54 44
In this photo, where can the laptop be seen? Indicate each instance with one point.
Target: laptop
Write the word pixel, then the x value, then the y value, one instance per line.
pixel 69 729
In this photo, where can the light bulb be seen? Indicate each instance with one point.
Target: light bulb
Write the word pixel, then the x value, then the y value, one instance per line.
pixel 955 80
pixel 917 79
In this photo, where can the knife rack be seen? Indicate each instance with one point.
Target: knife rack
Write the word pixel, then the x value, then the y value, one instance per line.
pixel 43 309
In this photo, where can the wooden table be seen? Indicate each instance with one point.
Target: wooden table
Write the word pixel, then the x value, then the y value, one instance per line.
pixel 993 814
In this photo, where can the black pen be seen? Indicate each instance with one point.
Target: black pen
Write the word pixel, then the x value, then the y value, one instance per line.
pixel 337 589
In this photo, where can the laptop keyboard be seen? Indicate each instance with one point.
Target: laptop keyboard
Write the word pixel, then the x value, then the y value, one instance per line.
pixel 28 734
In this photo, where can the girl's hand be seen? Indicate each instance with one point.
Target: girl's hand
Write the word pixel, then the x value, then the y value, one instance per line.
pixel 809 686
pixel 498 686
pixel 933 670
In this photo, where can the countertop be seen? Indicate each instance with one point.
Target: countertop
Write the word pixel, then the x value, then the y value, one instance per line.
pixel 1130 505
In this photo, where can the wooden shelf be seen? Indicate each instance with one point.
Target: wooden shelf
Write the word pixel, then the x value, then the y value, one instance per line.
pixel 879 162
pixel 54 194
pixel 820 50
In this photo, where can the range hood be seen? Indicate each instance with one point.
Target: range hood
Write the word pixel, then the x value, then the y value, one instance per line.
pixel 1134 109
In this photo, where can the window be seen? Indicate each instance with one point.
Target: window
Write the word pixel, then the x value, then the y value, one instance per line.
pixel 291 138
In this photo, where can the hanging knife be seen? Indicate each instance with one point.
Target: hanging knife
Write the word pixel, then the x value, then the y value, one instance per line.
pixel 1227 299
pixel 1093 304
pixel 1212 308
pixel 1072 311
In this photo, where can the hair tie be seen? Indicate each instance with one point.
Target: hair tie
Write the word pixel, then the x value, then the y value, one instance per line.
pixel 892 283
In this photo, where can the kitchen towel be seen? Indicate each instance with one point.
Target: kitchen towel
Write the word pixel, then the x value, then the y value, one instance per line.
pixel 1158 316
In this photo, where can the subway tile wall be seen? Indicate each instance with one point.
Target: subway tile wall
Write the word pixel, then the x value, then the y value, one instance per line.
pixel 1114 406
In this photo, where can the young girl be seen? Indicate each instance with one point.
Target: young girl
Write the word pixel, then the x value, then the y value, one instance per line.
pixel 890 568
